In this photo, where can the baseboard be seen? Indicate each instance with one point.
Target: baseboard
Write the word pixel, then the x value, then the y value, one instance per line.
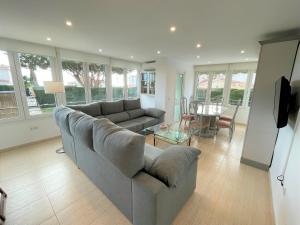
pixel 30 143
pixel 255 164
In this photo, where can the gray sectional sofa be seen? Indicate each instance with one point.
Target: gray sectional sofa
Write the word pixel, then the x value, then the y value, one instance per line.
pixel 125 113
pixel 147 184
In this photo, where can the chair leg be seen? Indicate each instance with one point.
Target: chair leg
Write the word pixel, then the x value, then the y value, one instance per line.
pixel 230 133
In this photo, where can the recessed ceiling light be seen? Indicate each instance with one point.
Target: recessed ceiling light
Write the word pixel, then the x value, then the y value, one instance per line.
pixel 131 56
pixel 158 52
pixel 48 39
pixel 247 59
pixel 172 28
pixel 99 50
pixel 198 45
pixel 69 23
pixel 242 51
pixel 198 57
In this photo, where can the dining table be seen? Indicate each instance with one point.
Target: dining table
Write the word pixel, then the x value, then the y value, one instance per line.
pixel 211 112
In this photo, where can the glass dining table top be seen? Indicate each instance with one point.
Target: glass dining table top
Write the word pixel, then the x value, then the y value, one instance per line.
pixel 211 110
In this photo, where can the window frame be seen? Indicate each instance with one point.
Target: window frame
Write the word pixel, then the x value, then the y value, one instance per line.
pixel 227 84
pixel 19 103
pixel 21 85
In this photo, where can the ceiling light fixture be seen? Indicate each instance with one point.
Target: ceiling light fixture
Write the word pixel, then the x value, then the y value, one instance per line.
pixel 198 57
pixel 247 59
pixel 131 57
pixel 242 51
pixel 172 28
pixel 48 39
pixel 69 23
pixel 198 45
pixel 100 50
pixel 158 52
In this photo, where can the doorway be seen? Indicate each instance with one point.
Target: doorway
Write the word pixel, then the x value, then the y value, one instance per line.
pixel 178 95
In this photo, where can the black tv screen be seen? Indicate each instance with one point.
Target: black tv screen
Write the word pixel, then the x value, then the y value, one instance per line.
pixel 281 101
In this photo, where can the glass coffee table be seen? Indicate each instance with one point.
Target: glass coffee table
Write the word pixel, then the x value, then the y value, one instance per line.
pixel 171 133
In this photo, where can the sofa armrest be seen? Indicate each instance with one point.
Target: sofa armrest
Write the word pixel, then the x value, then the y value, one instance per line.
pixel 155 203
pixel 154 112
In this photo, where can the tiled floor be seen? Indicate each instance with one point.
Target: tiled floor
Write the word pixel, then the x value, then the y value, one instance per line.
pixel 47 188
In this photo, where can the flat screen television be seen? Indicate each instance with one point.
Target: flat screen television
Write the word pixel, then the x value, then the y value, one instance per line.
pixel 282 101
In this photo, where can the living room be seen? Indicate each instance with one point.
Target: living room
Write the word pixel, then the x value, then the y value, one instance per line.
pixel 111 114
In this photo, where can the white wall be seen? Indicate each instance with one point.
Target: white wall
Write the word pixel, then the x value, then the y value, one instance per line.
pixel 276 59
pixel 286 199
pixel 164 98
pixel 26 131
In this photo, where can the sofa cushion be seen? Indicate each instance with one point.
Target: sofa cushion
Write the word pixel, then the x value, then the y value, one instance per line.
pixel 135 113
pixel 132 104
pixel 73 119
pixel 146 121
pixel 82 128
pixel 153 112
pixel 131 125
pixel 123 148
pixel 172 164
pixel 93 109
pixel 118 117
pixel 112 107
pixel 61 116
pixel 150 154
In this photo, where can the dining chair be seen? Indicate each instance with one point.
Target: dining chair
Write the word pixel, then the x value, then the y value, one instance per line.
pixel 229 122
pixel 198 121
pixel 184 113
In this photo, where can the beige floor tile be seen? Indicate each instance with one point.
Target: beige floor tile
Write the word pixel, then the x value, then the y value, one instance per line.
pixel 47 188
pixel 51 221
pixel 32 214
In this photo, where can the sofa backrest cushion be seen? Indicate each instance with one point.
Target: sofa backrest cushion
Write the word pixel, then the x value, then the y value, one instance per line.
pixel 118 117
pixel 61 116
pixel 132 104
pixel 93 109
pixel 135 113
pixel 123 148
pixel 81 126
pixel 112 107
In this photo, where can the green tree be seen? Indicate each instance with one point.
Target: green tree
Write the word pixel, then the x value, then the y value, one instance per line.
pixel 31 62
pixel 75 68
pixel 96 74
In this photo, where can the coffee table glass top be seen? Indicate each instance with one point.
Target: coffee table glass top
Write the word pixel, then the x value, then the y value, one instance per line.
pixel 170 132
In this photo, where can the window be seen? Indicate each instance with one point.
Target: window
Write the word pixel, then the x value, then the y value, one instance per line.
pixel 74 79
pixel 202 86
pixel 132 76
pixel 97 81
pixel 252 82
pixel 8 104
pixel 35 69
pixel 238 86
pixel 217 87
pixel 118 83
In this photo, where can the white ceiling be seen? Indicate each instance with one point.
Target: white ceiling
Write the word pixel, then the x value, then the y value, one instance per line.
pixel 141 27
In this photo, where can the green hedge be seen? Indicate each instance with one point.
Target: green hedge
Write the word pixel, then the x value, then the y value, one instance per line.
pixel 6 87
pixel 132 92
pixel 236 95
pixel 75 95
pixel 44 100
pixel 118 93
pixel 98 94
